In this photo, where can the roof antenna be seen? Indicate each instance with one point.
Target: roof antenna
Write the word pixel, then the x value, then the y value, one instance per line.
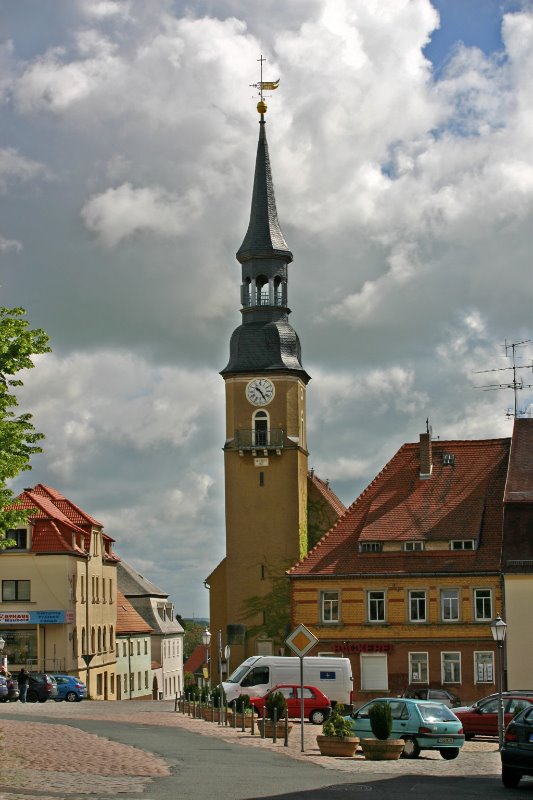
pixel 515 384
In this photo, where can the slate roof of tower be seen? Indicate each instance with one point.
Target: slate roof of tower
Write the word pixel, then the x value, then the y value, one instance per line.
pixel 267 347
pixel 263 237
pixel 460 501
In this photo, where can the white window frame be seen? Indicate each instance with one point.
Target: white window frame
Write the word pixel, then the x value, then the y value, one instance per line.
pixel 442 598
pixel 425 617
pixel 413 660
pixel 463 544
pixel 487 669
pixel 376 600
pixel 455 680
pixel 413 546
pixel 490 615
pixel 333 620
pixel 370 547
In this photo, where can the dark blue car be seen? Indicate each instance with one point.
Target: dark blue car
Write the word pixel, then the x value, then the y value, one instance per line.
pixel 70 688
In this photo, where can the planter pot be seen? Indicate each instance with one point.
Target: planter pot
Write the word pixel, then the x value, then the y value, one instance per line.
pixel 382 749
pixel 269 728
pixel 337 746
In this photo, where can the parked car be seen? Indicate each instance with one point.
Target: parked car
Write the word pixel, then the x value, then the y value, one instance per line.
pixel 426 693
pixel 69 688
pixel 41 687
pixel 422 724
pixel 517 750
pixel 13 689
pixel 505 694
pixel 317 706
pixel 481 719
pixel 4 691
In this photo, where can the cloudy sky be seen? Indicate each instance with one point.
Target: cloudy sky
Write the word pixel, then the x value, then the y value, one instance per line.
pixel 400 141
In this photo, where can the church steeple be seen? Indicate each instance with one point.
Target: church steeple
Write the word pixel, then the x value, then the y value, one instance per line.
pixel 265 341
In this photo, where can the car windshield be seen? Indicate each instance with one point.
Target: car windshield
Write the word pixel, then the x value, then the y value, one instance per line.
pixel 435 712
pixel 239 673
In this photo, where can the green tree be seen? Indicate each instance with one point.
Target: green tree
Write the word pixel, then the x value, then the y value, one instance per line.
pixel 18 438
pixel 273 608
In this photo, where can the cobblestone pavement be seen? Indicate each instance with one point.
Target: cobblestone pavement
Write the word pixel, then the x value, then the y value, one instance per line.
pixel 52 757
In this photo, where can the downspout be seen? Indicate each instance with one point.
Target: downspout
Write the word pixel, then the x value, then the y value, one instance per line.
pixel 129 664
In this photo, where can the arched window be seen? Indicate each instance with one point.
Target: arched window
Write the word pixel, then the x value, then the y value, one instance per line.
pixel 280 292
pixel 83 642
pixel 99 639
pixel 262 289
pixel 93 640
pixel 260 422
pixel 111 638
pixel 104 640
pixel 246 294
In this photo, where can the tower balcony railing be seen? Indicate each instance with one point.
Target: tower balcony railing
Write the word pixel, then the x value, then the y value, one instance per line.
pixel 271 439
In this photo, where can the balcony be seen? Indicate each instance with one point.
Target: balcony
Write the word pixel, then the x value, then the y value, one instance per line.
pixel 272 439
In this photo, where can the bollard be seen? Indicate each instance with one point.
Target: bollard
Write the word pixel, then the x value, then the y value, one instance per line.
pixel 234 713
pixel 264 723
pixel 176 703
pixel 243 710
pixel 212 709
pixel 275 721
pixel 252 725
pixel 220 710
pixel 188 705
pixel 286 742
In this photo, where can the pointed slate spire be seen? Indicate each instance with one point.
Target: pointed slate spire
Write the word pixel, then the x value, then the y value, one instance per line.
pixel 264 238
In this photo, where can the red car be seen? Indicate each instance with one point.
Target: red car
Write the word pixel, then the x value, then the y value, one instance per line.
pixel 481 719
pixel 317 706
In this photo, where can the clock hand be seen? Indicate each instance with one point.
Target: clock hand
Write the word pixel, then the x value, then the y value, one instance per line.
pixel 260 392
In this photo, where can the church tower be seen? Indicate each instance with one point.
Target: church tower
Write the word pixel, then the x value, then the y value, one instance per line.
pixel 265 451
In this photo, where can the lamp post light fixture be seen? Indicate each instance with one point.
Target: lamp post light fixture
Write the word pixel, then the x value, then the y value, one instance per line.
pixel 206 639
pixel 499 629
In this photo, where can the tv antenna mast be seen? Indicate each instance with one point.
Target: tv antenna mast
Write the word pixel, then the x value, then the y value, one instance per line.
pixel 517 381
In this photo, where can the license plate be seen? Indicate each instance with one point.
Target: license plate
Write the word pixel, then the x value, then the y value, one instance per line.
pixel 445 740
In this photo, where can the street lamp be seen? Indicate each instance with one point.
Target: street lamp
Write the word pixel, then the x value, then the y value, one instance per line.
pixel 206 639
pixel 499 629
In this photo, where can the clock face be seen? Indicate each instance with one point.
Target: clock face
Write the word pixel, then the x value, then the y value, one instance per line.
pixel 260 391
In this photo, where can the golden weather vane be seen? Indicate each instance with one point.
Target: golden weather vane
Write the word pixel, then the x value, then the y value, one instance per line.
pixel 263 86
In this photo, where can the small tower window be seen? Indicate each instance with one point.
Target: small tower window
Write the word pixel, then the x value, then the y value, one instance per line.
pixel 260 429
pixel 263 298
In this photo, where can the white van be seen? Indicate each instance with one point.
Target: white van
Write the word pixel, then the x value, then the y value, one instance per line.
pixel 258 674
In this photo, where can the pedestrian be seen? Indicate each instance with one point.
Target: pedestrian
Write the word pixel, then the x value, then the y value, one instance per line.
pixel 23 681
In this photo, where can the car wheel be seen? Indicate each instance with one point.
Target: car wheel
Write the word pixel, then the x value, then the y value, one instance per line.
pixel 449 753
pixel 410 747
pixel 71 697
pixel 317 717
pixel 32 697
pixel 510 777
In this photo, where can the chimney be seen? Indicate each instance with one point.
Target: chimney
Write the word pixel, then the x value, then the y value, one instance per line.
pixel 426 459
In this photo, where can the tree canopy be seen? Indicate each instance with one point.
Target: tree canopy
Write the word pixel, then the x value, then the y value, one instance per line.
pixel 18 437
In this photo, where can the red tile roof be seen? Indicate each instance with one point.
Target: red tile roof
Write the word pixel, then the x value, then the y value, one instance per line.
pixel 463 500
pixel 327 493
pixel 196 660
pixel 59 526
pixel 519 486
pixel 129 620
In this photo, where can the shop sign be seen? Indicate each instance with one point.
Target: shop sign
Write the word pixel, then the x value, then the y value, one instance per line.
pixel 35 617
pixel 363 647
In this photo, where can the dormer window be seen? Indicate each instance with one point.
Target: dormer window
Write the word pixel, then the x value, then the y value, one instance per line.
pixel 462 544
pixel 411 547
pixel 448 459
pixel 370 547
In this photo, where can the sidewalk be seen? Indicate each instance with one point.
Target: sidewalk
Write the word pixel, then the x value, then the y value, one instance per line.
pixel 50 757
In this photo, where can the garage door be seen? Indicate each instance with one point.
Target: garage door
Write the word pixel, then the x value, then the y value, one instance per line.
pixel 374 673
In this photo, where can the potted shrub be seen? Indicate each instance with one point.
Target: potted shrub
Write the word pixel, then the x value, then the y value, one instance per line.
pixel 240 704
pixel 212 710
pixel 275 706
pixel 336 738
pixel 382 747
